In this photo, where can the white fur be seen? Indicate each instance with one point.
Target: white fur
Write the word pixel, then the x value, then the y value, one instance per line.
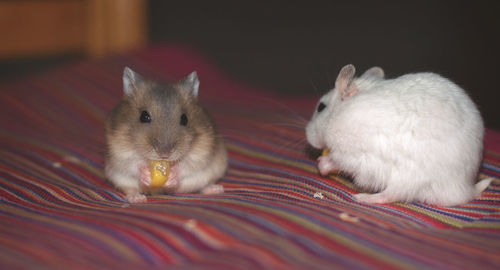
pixel 418 137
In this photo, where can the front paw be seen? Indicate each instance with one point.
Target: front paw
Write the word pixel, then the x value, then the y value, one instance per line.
pixel 325 165
pixel 145 176
pixel 173 179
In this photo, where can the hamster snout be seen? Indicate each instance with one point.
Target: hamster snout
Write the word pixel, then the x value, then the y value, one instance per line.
pixel 313 136
pixel 162 149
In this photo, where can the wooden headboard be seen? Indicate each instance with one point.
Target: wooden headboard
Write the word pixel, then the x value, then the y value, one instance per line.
pixel 90 27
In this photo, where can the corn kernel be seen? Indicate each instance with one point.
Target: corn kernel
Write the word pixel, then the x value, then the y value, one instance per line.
pixel 159 172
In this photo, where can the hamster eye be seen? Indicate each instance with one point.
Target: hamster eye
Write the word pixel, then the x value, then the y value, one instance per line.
pixel 321 106
pixel 145 117
pixel 184 119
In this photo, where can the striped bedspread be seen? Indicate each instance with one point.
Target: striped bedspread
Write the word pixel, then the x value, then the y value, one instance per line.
pixel 58 212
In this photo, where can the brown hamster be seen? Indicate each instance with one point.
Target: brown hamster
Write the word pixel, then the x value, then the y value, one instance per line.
pixel 156 121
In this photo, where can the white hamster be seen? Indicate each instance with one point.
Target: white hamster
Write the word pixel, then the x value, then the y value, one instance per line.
pixel 418 137
pixel 157 121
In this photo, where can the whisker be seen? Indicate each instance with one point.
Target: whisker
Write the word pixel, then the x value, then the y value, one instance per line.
pixel 293 144
pixel 315 88
pixel 290 146
pixel 284 106
pixel 329 80
pixel 283 125
pixel 303 123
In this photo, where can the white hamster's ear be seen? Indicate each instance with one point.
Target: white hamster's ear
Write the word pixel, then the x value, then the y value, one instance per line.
pixel 374 72
pixel 131 81
pixel 344 83
pixel 191 83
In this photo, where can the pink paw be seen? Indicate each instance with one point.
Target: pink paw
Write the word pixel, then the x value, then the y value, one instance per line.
pixel 136 198
pixel 212 190
pixel 377 198
pixel 173 179
pixel 325 165
pixel 145 176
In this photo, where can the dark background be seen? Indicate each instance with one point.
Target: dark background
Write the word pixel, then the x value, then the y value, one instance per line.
pixel 295 47
pixel 298 47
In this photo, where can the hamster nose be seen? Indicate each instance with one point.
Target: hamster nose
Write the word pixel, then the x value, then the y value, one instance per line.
pixel 162 149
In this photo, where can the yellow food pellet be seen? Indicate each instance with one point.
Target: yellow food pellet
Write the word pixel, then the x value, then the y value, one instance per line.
pixel 159 172
pixel 326 152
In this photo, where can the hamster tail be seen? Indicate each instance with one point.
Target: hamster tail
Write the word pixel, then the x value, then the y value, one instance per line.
pixel 482 185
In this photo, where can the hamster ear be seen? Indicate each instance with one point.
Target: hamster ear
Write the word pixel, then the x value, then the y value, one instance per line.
pixel 191 83
pixel 131 81
pixel 374 72
pixel 344 83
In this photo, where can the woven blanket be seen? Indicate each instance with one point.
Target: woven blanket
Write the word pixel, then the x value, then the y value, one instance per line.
pixel 57 211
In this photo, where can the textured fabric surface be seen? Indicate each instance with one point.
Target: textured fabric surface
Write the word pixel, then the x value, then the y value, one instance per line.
pixel 58 212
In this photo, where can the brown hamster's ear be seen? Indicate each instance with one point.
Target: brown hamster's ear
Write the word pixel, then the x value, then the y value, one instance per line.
pixel 344 83
pixel 374 72
pixel 131 81
pixel 191 83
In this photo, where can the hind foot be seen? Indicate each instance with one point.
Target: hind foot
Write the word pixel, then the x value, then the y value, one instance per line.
pixel 377 198
pixel 212 190
pixel 136 198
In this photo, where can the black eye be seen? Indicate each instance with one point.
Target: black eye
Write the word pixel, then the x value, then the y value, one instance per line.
pixel 145 117
pixel 184 119
pixel 321 106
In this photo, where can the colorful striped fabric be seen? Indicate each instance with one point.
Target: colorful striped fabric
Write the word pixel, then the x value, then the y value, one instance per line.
pixel 58 212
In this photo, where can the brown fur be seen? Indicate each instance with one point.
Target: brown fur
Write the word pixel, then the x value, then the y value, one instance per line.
pixel 197 150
